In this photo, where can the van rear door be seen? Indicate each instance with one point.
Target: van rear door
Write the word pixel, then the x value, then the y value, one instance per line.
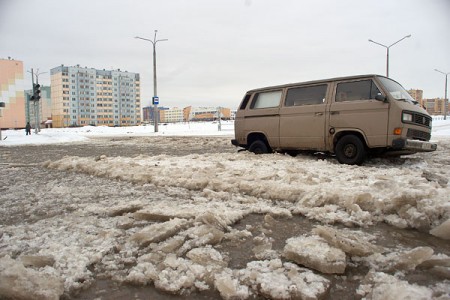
pixel 302 118
pixel 354 108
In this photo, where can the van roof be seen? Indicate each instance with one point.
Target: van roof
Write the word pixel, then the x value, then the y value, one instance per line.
pixel 316 81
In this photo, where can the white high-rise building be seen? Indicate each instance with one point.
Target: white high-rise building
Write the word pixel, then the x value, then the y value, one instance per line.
pixel 87 96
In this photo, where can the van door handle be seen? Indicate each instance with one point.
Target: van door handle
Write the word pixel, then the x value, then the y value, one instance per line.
pixel 334 112
pixel 319 114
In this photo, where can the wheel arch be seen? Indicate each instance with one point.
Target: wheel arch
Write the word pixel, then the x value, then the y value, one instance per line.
pixel 338 135
pixel 253 136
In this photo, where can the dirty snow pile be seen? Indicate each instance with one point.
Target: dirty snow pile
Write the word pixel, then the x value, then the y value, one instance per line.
pixel 415 196
pixel 176 214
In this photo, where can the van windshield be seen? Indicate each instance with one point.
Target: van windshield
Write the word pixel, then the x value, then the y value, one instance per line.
pixel 396 90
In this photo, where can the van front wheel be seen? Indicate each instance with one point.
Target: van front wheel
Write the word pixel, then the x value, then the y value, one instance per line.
pixel 350 150
pixel 258 147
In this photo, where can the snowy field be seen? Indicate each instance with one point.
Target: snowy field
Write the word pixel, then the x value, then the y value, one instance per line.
pixel 168 220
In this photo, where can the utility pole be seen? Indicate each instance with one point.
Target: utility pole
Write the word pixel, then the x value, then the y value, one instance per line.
pixel 2 104
pixel 219 113
pixel 155 99
pixel 35 98
pixel 445 97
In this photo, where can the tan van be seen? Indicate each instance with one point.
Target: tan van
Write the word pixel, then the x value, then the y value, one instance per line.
pixel 348 116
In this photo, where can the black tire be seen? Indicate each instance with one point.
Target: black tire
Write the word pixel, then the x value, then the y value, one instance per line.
pixel 350 150
pixel 258 147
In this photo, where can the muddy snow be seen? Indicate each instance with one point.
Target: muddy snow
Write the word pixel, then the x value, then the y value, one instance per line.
pixel 187 224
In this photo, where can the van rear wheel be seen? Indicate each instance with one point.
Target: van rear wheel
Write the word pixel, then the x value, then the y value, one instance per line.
pixel 258 147
pixel 350 150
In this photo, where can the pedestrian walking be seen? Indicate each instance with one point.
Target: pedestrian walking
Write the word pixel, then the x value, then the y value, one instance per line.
pixel 28 129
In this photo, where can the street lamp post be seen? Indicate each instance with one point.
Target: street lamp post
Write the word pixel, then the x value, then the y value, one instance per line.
pixel 155 91
pixel 387 51
pixel 445 97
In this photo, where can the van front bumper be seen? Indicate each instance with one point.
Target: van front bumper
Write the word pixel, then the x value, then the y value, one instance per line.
pixel 413 145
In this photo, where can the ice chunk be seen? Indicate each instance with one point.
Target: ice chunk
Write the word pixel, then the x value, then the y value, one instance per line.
pixel 229 287
pixel 313 252
pixel 200 236
pixel 122 209
pixel 436 260
pixel 263 248
pixel 435 177
pixel 404 260
pixel 143 273
pixel 37 261
pixel 179 274
pixel 206 256
pixel 275 280
pixel 269 221
pixel 308 285
pixel 351 242
pixel 171 245
pixel 212 219
pixel 152 216
pixel 381 286
pixel 442 231
pixel 158 232
pixel 18 282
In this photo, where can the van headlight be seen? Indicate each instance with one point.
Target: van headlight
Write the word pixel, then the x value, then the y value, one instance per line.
pixel 407 117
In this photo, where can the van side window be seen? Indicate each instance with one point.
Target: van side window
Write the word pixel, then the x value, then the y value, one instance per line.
pixel 266 100
pixel 356 90
pixel 245 101
pixel 306 95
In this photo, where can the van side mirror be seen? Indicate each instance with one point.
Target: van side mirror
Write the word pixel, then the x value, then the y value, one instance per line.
pixel 380 97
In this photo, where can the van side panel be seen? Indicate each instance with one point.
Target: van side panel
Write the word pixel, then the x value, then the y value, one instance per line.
pixel 302 127
pixel 302 117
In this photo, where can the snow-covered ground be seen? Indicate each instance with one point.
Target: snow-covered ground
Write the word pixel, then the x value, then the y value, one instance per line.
pixel 165 220
pixel 79 134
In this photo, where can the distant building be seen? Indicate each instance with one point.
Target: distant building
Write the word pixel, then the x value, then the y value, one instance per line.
pixel 12 94
pixel 435 106
pixel 206 113
pixel 86 96
pixel 172 115
pixel 417 95
pixel 187 114
pixel 148 113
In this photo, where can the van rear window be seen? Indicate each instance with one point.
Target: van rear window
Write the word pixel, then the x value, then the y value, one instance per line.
pixel 266 100
pixel 308 95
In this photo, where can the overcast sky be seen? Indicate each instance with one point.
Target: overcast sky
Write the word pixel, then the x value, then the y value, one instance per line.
pixel 219 49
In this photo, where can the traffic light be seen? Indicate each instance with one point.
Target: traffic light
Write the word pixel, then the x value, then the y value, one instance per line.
pixel 36 92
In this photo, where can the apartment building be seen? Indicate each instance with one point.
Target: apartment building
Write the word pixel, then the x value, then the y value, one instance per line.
pixel 436 106
pixel 87 96
pixel 12 86
pixel 417 95
pixel 433 106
